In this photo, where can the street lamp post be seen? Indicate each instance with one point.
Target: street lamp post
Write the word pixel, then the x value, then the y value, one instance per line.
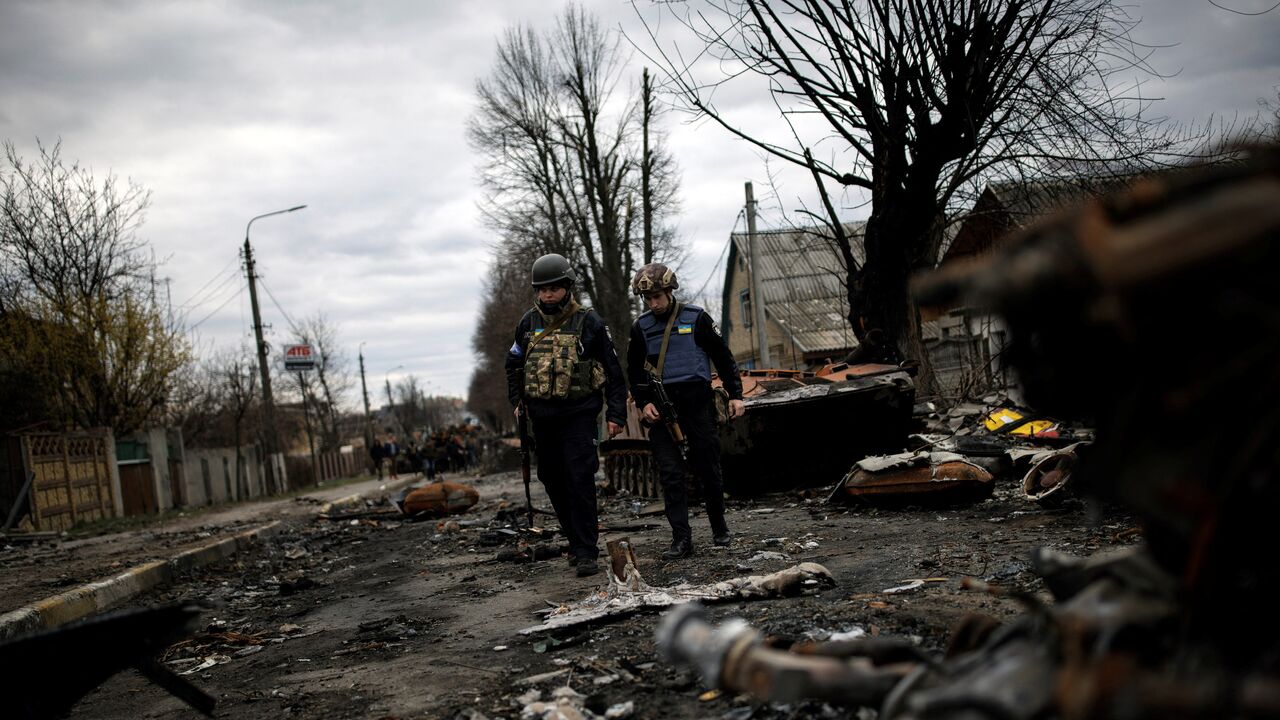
pixel 368 418
pixel 270 439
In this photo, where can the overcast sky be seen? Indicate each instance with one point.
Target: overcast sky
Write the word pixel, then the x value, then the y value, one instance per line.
pixel 230 109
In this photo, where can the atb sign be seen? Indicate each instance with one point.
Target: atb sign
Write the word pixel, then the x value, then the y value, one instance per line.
pixel 299 358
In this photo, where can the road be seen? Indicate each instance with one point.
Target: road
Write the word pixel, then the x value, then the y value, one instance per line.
pixel 377 617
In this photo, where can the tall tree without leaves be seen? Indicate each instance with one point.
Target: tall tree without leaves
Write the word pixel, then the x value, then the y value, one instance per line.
pixel 565 167
pixel 80 322
pixel 913 103
pixel 506 297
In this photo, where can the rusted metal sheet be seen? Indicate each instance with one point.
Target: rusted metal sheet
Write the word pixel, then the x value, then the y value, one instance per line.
pixel 802 429
pixel 805 431
pixel 440 499
pixel 915 479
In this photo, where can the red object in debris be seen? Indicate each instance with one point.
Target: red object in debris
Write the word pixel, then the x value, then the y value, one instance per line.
pixel 439 499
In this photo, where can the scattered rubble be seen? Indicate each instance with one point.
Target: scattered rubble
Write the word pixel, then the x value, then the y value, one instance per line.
pixel 626 591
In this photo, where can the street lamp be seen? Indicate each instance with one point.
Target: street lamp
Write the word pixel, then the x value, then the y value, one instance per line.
pixel 268 404
pixel 387 377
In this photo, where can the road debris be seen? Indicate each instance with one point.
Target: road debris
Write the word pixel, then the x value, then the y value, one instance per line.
pixel 626 591
pixel 438 499
pixel 917 478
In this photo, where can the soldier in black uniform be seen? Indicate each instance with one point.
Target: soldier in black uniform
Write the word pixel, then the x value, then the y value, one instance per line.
pixel 678 343
pixel 563 367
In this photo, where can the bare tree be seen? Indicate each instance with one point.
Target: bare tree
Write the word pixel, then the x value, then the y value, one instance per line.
pixel 333 378
pixel 910 104
pixel 77 294
pixel 506 294
pixel 565 162
pixel 238 376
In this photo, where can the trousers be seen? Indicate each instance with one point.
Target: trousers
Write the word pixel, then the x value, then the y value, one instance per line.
pixel 566 448
pixel 697 421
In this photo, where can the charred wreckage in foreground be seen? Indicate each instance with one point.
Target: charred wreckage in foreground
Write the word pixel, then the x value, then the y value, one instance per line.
pixel 1152 313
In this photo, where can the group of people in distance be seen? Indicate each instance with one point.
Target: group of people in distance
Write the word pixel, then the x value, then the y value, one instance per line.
pixel 453 449
pixel 563 370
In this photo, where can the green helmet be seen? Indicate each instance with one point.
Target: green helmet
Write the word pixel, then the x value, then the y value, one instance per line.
pixel 552 269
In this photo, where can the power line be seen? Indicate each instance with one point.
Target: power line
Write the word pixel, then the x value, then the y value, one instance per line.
pixel 292 325
pixel 233 296
pixel 211 294
pixel 210 281
pixel 723 252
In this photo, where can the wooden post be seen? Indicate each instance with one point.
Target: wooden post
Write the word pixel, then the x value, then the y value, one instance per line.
pixel 620 553
pixel 66 472
pixel 97 480
pixel 30 467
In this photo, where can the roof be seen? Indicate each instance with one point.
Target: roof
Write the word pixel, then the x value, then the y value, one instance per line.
pixel 803 283
pixel 1006 206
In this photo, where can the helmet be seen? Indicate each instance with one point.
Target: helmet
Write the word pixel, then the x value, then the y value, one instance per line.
pixel 654 276
pixel 551 270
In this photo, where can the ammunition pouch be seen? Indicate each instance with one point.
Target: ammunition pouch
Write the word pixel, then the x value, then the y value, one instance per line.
pixel 554 368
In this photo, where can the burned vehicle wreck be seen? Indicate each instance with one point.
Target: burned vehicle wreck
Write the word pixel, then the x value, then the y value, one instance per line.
pixel 1154 303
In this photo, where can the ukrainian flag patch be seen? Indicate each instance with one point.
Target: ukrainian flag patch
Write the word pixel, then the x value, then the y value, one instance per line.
pixel 684 329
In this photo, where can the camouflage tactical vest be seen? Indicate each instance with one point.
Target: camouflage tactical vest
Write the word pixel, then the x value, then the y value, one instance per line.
pixel 554 368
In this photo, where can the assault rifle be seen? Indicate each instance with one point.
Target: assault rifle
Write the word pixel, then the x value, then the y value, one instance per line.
pixel 526 450
pixel 667 410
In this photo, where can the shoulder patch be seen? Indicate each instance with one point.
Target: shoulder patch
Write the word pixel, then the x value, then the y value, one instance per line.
pixel 515 349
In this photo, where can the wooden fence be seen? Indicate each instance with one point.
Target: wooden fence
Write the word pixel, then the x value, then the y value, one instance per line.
pixel 72 478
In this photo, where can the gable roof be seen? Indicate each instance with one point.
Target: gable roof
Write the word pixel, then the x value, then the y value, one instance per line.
pixel 802 277
pixel 1006 206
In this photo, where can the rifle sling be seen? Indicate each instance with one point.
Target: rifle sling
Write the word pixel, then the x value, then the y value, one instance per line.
pixel 551 327
pixel 666 340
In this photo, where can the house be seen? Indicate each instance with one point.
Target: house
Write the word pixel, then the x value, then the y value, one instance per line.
pixel 965 345
pixel 806 307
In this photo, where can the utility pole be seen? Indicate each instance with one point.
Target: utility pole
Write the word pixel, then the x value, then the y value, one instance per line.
pixel 364 389
pixel 368 419
pixel 757 284
pixel 270 440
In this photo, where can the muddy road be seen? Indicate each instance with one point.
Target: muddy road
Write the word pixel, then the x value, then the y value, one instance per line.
pixel 378 617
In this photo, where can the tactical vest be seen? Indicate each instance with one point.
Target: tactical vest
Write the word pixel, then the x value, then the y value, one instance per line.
pixel 554 368
pixel 685 361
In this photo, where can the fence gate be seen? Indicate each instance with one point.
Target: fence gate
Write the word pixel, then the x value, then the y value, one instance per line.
pixel 72 479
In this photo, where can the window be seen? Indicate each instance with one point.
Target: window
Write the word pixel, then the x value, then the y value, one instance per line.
pixel 744 305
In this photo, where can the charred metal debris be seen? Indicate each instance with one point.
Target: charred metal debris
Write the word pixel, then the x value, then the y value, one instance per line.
pixel 1153 314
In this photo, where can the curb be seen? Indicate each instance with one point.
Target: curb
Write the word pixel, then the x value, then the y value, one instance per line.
pixel 101 595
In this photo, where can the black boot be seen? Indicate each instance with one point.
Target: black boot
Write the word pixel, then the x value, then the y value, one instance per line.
pixel 680 548
pixel 587 566
pixel 723 538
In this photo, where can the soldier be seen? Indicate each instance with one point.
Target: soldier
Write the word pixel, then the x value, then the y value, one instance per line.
pixel 561 359
pixel 678 344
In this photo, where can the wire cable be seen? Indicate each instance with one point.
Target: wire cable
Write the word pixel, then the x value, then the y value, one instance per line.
pixel 723 253
pixel 292 325
pixel 239 291
pixel 194 295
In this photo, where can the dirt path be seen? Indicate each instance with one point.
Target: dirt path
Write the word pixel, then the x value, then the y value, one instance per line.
pixel 378 617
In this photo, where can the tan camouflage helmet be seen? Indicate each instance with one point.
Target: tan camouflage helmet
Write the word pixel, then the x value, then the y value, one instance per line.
pixel 654 276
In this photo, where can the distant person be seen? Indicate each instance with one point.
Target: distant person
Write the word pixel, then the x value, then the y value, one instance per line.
pixel 562 367
pixel 430 452
pixel 391 451
pixel 376 453
pixel 678 343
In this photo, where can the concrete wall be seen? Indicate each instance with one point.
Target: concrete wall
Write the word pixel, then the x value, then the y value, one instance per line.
pixel 211 475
